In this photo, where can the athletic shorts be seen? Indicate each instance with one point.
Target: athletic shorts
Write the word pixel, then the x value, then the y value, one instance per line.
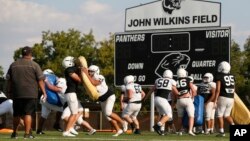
pixel 24 106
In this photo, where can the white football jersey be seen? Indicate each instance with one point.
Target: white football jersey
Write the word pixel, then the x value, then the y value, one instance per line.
pixel 103 87
pixel 136 88
pixel 61 83
pixel 165 83
pixel 164 87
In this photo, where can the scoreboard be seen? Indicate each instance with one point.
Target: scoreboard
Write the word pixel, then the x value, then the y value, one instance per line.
pixel 146 55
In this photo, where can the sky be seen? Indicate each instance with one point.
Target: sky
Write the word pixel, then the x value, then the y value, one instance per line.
pixel 23 21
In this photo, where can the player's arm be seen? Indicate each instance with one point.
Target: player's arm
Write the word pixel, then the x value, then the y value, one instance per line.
pixel 142 94
pixel 174 95
pixel 121 101
pixel 121 97
pixel 217 91
pixel 92 80
pixel 53 87
pixel 211 99
pixel 75 77
pixel 149 93
pixel 193 91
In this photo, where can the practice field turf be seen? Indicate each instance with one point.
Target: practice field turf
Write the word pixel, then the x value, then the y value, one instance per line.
pixel 107 136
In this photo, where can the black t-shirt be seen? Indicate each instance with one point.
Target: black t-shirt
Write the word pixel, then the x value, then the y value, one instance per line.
pixel 182 85
pixel 227 84
pixel 71 83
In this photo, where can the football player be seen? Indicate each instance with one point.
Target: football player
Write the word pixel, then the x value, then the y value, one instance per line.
pixel 207 90
pixel 52 89
pixel 134 94
pixel 184 99
pixel 73 79
pixel 163 87
pixel 80 121
pixel 224 95
pixel 107 98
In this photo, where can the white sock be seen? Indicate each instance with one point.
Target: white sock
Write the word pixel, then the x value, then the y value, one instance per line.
pixel 221 130
pixel 162 127
pixel 159 123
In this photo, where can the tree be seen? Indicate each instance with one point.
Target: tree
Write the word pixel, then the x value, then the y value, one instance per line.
pixel 1 72
pixel 56 46
pixel 105 58
pixel 246 71
pixel 237 67
pixel 247 58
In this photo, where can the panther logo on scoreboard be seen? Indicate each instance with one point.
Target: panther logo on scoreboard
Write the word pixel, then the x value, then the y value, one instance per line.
pixel 170 5
pixel 172 61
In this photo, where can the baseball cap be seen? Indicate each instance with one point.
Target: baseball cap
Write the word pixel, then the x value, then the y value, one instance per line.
pixel 26 51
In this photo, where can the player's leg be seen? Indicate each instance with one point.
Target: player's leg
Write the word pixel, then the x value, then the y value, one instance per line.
pixel 73 106
pixel 84 123
pixel 164 109
pixel 108 111
pixel 110 116
pixel 180 111
pixel 44 115
pixel 221 107
pixel 126 114
pixel 208 114
pixel 57 125
pixel 190 112
pixel 230 103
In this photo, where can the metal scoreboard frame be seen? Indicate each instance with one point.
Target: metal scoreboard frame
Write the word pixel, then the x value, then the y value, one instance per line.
pixel 147 54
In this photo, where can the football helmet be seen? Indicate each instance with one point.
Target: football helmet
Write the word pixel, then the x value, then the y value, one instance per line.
pixel 94 70
pixel 208 77
pixel 224 67
pixel 48 71
pixel 129 79
pixel 181 72
pixel 168 74
pixel 123 88
pixel 68 62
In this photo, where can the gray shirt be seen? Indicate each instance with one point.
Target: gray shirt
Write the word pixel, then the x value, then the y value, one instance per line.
pixel 24 75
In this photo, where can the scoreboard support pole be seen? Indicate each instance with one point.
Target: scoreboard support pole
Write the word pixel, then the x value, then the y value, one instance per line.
pixel 152 112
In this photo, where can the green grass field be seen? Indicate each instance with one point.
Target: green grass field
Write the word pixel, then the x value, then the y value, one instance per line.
pixel 107 136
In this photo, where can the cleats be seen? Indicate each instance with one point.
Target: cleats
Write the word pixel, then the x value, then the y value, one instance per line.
pixel 118 133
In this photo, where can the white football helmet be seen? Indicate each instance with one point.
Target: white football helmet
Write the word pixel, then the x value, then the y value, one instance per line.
pixel 181 72
pixel 48 71
pixel 208 77
pixel 94 70
pixel 123 88
pixel 68 62
pixel 129 79
pixel 224 67
pixel 168 74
